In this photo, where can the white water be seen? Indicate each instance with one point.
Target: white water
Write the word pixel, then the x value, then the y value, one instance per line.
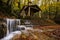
pixel 11 24
pixel 12 28
pixel 11 35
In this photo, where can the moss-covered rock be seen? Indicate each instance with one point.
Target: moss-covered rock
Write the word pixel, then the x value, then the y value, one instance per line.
pixel 3 30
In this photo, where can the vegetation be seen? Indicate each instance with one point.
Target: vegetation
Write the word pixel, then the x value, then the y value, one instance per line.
pixel 51 11
pixel 50 8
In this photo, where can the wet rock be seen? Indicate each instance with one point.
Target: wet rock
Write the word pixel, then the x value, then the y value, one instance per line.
pixel 3 30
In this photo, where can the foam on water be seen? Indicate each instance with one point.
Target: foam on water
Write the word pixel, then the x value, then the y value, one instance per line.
pixel 11 35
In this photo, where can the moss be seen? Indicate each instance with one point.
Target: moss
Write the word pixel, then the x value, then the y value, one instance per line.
pixel 2 31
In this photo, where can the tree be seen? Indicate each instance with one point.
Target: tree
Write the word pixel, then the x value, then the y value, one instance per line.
pixel 51 11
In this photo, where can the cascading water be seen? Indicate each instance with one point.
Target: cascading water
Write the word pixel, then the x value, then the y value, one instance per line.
pixel 7 26
pixel 11 25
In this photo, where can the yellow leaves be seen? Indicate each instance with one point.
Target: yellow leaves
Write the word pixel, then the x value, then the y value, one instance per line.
pixel 16 0
pixel 43 7
pixel 15 5
pixel 5 1
pixel 36 1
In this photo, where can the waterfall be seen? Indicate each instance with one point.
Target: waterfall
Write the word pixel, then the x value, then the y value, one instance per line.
pixel 11 25
pixel 11 35
pixel 7 26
